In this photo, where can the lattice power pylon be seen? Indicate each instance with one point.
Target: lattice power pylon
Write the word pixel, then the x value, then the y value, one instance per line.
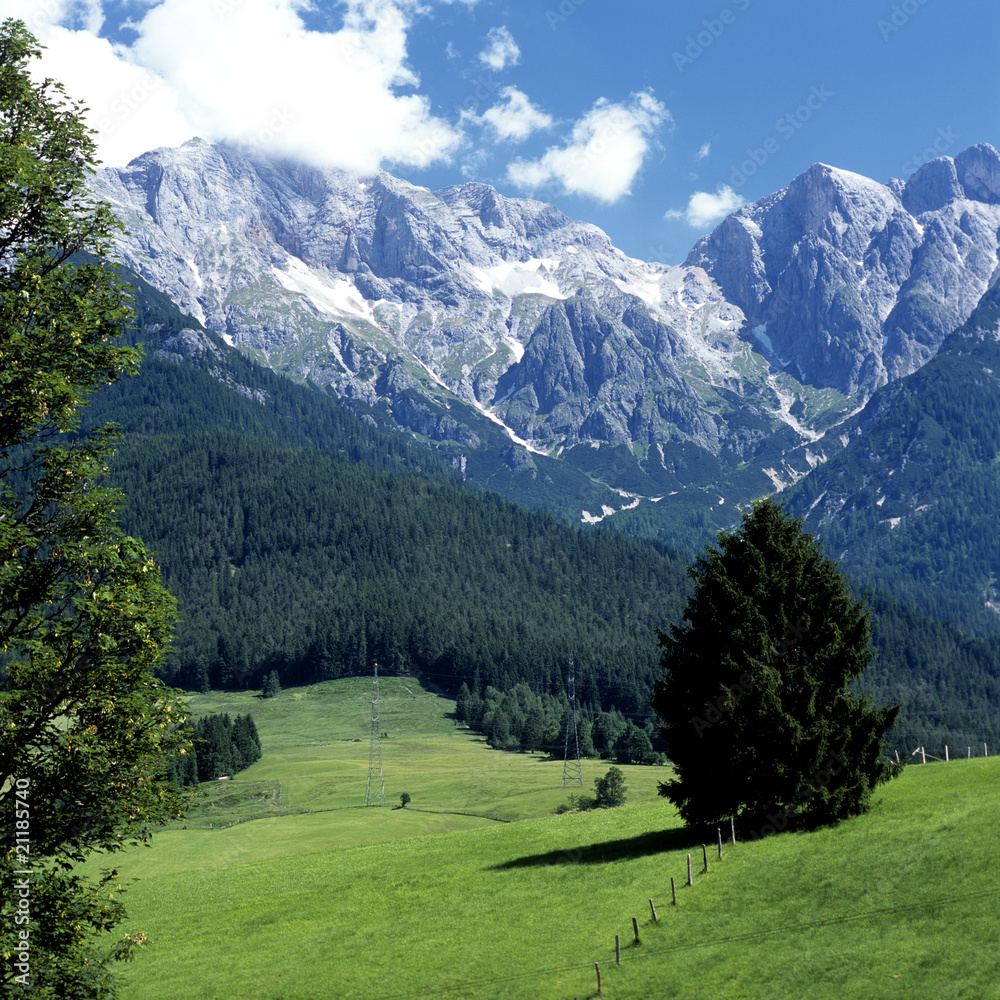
pixel 572 768
pixel 373 796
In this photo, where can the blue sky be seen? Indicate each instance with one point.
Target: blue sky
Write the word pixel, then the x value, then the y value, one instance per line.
pixel 650 119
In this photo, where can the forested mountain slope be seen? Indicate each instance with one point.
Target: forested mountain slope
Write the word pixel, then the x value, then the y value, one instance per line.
pixel 909 498
pixel 301 537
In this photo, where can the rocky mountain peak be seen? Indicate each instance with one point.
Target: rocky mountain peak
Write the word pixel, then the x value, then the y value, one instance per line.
pixel 933 186
pixel 978 169
pixel 829 202
pixel 848 283
pixel 461 311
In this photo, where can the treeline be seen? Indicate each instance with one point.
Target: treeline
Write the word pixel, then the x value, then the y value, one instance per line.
pixel 287 560
pixel 520 719
pixel 947 682
pixel 221 747
pixel 219 387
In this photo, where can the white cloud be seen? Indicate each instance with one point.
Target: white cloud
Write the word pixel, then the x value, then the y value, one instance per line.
pixel 502 50
pixel 249 71
pixel 704 151
pixel 605 152
pixel 516 119
pixel 706 209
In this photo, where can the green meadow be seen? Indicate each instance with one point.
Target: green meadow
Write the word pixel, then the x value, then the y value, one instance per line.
pixel 280 886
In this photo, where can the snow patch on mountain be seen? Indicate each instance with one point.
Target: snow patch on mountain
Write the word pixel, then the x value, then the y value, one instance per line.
pixel 514 278
pixel 337 298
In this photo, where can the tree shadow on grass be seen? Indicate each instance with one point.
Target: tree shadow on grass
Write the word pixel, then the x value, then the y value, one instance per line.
pixel 609 850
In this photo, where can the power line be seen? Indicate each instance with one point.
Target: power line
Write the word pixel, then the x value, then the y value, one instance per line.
pixel 572 767
pixel 373 798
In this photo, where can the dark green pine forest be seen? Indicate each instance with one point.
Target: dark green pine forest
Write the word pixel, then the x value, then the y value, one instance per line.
pixel 302 539
pixel 306 539
pixel 220 747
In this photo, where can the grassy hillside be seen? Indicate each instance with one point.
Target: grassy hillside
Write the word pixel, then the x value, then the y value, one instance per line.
pixel 338 901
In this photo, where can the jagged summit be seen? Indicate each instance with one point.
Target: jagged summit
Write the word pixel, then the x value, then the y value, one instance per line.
pixel 460 311
pixel 849 283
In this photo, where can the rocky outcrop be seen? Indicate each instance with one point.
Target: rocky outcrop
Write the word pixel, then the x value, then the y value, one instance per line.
pixel 849 283
pixel 414 301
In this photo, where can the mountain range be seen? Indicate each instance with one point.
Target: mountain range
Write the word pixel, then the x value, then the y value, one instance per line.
pixel 796 350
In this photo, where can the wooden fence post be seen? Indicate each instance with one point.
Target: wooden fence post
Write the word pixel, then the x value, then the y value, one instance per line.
pixel 946 757
pixel 690 880
pixel 618 950
pixel 732 829
pixel 720 842
pixel 673 891
pixel 635 929
pixel 597 968
pixel 653 908
pixel 704 857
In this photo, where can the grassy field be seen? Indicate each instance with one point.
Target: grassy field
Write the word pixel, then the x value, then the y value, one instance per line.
pixel 323 899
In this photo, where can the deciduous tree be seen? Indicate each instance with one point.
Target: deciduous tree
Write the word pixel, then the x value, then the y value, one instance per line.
pixel 86 731
pixel 610 789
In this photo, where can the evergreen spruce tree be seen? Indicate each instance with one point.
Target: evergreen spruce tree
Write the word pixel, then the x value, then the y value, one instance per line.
pixel 462 702
pixel 243 738
pixel 254 737
pixel 271 686
pixel 756 702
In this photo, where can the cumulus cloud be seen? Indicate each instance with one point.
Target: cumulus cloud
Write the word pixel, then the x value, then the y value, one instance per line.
pixel 604 154
pixel 704 151
pixel 705 209
pixel 249 71
pixel 502 50
pixel 517 118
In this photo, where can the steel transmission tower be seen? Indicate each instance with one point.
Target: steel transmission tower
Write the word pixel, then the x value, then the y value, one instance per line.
pixel 375 796
pixel 572 769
